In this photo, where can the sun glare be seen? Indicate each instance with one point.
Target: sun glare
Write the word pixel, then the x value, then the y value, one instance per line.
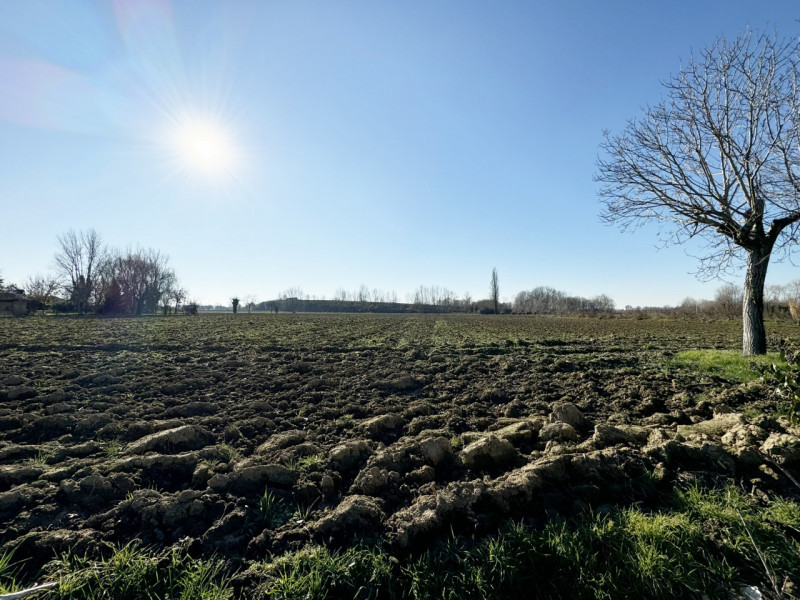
pixel 205 148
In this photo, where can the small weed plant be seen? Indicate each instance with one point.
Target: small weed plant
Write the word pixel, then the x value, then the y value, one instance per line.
pixel 311 463
pixel 228 453
pixel 42 456
pixel 113 448
pixel 212 464
pixel 302 513
pixel 303 464
pixel 271 510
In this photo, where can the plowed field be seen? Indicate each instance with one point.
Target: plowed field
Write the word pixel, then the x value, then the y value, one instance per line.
pixel 252 434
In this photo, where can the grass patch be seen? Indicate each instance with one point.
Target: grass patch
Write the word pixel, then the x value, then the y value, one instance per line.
pixel 711 543
pixel 137 573
pixel 728 364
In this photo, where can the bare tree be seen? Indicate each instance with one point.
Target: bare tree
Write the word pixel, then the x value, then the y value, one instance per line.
pixel 249 302
pixel 235 304
pixel 168 287
pixel 494 291
pixel 77 258
pixel 41 288
pixel 467 302
pixel 775 294
pixel 718 159
pixel 792 298
pixel 728 300
pixel 295 293
pixel 689 305
pixel 178 295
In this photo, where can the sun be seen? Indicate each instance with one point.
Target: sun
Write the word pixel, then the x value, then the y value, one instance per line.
pixel 204 147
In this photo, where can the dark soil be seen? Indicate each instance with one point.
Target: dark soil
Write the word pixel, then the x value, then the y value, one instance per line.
pixel 170 430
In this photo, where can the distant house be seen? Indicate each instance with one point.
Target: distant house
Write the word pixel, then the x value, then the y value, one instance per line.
pixel 13 302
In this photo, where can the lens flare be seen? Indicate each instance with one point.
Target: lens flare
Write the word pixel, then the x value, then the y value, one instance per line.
pixel 204 147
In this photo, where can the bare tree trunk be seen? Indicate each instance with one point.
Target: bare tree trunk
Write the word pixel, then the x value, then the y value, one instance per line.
pixel 754 336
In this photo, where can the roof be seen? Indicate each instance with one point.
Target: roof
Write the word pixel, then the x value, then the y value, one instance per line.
pixel 9 295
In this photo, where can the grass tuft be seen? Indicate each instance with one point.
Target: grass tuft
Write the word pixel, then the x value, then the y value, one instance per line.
pixel 272 512
pixel 304 464
pixel 113 448
pixel 8 573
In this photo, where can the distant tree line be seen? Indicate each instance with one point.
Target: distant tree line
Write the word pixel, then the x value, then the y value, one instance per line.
pixel 437 299
pixel 294 304
pixel 362 294
pixel 433 295
pixel 781 302
pixel 549 301
pixel 431 298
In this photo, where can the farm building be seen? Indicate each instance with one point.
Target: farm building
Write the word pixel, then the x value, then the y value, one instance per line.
pixel 13 302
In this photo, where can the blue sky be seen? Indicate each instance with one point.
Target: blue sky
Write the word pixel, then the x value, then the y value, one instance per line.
pixel 392 144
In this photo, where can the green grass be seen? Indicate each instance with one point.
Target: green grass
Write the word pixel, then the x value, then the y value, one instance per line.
pixel 8 573
pixel 113 448
pixel 137 573
pixel 227 452
pixel 712 543
pixel 272 511
pixel 315 572
pixel 42 456
pixel 728 364
pixel 304 464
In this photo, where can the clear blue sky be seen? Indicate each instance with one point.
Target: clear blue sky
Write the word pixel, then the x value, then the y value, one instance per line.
pixel 391 144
